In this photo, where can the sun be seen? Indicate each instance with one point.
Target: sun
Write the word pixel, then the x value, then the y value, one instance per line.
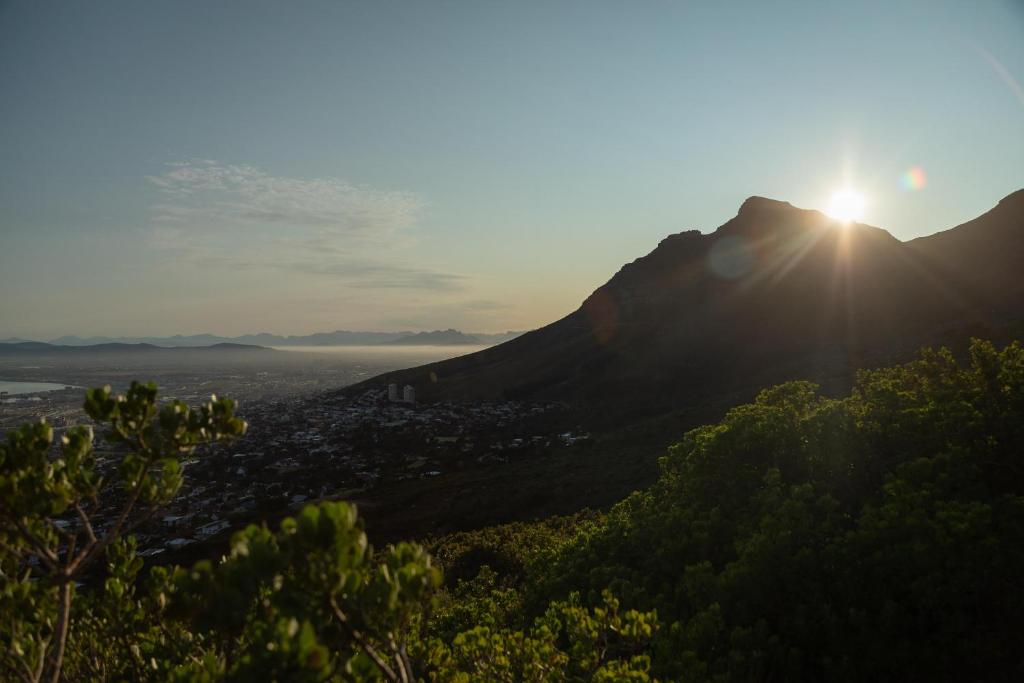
pixel 846 205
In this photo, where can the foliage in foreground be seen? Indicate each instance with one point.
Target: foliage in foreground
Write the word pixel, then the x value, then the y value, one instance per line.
pixel 42 557
pixel 311 601
pixel 875 536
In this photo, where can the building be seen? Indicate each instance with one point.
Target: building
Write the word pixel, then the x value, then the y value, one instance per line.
pixel 409 394
pixel 393 392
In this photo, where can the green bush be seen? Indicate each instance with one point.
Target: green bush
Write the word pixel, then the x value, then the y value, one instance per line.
pixel 311 601
pixel 878 536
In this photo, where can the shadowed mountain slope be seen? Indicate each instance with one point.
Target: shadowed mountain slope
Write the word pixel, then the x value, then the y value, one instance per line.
pixel 775 293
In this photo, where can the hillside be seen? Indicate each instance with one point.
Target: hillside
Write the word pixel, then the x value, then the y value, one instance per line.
pixel 875 536
pixel 775 293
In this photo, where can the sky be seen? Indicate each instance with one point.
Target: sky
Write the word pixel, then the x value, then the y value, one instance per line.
pixel 236 167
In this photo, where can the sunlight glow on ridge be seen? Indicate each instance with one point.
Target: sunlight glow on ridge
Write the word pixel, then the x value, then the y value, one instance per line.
pixel 846 205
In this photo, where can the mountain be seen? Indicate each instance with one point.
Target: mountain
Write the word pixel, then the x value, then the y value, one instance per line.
pixel 436 338
pixel 262 339
pixel 37 348
pixel 336 338
pixel 981 258
pixel 23 345
pixel 72 340
pixel 775 293
pixel 232 346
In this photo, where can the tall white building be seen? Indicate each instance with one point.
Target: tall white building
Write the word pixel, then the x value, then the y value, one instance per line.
pixel 409 394
pixel 393 392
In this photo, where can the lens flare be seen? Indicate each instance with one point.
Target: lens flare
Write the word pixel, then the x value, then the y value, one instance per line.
pixel 914 179
pixel 731 257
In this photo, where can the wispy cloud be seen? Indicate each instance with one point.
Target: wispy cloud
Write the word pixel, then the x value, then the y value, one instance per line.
pixel 1002 72
pixel 206 194
pixel 238 217
pixel 359 274
pixel 366 275
pixel 486 305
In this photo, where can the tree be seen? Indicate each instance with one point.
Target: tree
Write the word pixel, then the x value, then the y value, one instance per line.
pixel 874 536
pixel 567 643
pixel 45 555
pixel 310 602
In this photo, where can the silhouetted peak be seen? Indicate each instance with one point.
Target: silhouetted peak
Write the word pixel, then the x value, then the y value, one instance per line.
pixel 776 291
pixel 760 217
pixel 679 238
pixel 758 204
pixel 761 214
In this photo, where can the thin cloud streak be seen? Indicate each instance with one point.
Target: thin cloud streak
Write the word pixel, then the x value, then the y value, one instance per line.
pixel 1002 72
pixel 208 195
pixel 361 274
pixel 238 217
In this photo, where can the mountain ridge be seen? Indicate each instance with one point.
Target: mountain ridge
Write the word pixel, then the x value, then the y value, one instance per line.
pixel 774 293
pixel 335 338
pixel 9 348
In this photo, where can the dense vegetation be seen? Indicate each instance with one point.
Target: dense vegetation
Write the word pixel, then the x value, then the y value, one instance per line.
pixel 806 538
pixel 877 536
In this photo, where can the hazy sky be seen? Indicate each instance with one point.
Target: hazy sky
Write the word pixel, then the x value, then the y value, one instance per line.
pixel 231 167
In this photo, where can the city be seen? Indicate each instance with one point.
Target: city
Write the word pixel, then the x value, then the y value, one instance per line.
pixel 302 448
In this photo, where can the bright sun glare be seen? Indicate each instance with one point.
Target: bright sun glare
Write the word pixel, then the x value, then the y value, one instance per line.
pixel 846 205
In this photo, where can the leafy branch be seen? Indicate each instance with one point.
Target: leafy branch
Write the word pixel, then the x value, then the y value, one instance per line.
pixel 44 556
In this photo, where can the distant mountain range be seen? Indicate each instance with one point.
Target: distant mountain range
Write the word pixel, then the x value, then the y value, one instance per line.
pixel 776 293
pixel 338 338
pixel 443 338
pixel 8 348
